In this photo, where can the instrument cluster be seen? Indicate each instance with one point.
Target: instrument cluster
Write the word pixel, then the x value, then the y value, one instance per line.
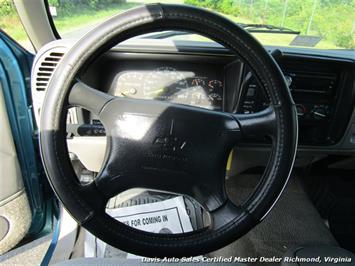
pixel 172 85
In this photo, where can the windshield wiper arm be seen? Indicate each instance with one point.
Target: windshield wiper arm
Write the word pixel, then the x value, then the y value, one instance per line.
pixel 258 28
pixel 266 28
pixel 165 34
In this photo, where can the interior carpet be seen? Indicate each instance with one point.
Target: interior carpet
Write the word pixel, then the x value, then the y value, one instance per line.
pixel 293 221
pixel 342 222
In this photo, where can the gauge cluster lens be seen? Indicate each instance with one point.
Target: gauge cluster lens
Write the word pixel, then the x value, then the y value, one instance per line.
pixel 166 84
pixel 169 84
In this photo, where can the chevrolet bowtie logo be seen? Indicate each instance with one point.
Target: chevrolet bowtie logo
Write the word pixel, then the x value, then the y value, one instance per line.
pixel 170 142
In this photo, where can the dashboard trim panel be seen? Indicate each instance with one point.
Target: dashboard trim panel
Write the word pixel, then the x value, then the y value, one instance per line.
pixel 180 51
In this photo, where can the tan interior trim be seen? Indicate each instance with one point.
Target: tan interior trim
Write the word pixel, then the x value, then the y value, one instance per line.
pixel 89 150
pixel 34 18
pixel 10 172
pixel 17 214
pixel 12 197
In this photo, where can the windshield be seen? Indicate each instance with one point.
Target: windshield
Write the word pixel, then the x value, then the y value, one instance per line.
pixel 322 24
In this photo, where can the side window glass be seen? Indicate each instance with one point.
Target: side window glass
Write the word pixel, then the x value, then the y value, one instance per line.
pixel 11 24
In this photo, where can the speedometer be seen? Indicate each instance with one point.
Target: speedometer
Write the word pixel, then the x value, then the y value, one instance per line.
pixel 170 85
pixel 166 84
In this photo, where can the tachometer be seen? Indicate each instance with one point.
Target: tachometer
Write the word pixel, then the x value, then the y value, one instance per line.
pixel 215 85
pixel 166 84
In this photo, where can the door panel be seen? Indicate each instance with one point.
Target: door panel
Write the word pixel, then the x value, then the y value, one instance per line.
pixel 15 212
pixel 9 166
pixel 25 205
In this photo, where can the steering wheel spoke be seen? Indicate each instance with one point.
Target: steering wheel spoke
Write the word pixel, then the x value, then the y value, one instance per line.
pixel 84 96
pixel 225 214
pixel 258 124
pixel 92 195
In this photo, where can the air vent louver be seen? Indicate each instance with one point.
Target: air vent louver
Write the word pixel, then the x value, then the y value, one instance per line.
pixel 46 69
pixel 42 71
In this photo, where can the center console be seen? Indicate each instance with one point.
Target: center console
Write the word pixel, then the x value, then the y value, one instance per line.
pixel 315 90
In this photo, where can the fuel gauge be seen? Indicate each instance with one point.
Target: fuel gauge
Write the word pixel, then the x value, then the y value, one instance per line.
pixel 128 84
pixel 215 93
pixel 215 97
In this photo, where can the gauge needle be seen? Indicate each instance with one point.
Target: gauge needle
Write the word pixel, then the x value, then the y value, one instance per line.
pixel 155 91
pixel 319 114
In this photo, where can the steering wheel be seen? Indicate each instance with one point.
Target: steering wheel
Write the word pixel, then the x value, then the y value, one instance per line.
pixel 166 146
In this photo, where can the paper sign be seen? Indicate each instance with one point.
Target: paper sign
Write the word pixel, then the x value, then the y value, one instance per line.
pixel 164 217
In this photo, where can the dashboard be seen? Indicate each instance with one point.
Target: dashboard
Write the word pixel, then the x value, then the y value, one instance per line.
pixel 209 76
pixel 315 92
pixel 321 88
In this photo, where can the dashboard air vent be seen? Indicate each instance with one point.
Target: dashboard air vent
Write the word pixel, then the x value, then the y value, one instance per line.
pixel 45 63
pixel 45 70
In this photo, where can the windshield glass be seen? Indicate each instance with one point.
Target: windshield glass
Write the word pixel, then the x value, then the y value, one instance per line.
pixel 322 24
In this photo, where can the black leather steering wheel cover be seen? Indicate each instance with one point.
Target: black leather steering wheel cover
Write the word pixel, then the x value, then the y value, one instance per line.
pixel 142 20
